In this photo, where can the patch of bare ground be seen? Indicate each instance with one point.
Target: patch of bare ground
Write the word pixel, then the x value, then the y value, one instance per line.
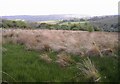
pixel 74 42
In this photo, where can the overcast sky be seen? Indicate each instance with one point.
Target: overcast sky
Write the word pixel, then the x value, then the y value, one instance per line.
pixel 46 7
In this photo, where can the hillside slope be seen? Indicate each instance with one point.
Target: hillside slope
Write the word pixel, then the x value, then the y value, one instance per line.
pixel 36 18
pixel 106 23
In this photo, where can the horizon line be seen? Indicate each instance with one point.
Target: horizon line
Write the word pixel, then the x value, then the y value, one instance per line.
pixel 56 14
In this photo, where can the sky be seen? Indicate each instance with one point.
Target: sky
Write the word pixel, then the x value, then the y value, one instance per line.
pixel 47 7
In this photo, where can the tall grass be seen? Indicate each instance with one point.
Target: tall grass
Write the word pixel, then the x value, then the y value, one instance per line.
pixel 89 70
pixel 27 66
pixel 25 58
pixel 61 40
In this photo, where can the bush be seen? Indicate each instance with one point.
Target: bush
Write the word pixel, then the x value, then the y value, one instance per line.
pixel 90 29
pixel 65 27
pixel 13 24
pixel 96 28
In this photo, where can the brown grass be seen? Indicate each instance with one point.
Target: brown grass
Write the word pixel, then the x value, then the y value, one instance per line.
pixel 63 60
pixel 89 70
pixel 74 42
pixel 46 58
pixel 65 57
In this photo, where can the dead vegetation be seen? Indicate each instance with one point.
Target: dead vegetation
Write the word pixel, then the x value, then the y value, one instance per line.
pixel 74 42
pixel 46 58
pixel 64 60
pixel 89 70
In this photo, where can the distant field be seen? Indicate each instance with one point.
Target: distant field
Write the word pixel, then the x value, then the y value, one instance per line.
pixel 63 23
pixel 67 23
pixel 49 22
pixel 57 21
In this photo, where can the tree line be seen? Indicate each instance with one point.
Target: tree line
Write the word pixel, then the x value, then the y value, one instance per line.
pixel 33 25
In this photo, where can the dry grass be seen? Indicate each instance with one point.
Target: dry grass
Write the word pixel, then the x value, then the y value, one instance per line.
pixel 4 49
pixel 65 57
pixel 62 63
pixel 64 60
pixel 74 42
pixel 89 71
pixel 46 58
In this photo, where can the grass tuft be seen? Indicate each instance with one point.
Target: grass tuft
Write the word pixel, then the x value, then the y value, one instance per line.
pixel 89 71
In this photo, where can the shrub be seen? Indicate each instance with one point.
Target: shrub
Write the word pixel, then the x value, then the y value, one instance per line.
pixel 96 28
pixel 90 29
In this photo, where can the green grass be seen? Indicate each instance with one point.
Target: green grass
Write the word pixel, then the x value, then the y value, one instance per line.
pixel 79 22
pixel 26 66
pixel 108 67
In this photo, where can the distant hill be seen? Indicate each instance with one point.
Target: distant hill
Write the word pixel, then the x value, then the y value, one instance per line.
pixel 106 23
pixel 36 18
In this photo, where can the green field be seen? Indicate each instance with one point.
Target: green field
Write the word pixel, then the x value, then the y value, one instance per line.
pixel 21 65
pixel 79 22
pixel 50 22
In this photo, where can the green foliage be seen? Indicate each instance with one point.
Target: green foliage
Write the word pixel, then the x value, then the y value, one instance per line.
pixel 13 24
pixel 86 23
pixel 84 26
pixel 65 27
pixel 96 28
pixel 108 68
pixel 90 29
pixel 21 24
pixel 7 23
pixel 0 25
